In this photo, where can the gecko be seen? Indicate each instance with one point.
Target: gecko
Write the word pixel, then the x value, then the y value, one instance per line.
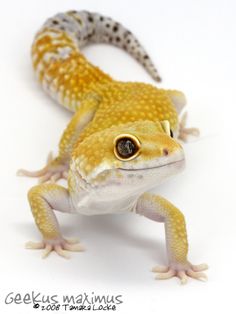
pixel 123 140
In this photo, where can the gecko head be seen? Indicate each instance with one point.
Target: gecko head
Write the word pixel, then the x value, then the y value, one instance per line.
pixel 134 156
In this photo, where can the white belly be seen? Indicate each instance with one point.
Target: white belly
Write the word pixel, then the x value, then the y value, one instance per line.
pixel 92 203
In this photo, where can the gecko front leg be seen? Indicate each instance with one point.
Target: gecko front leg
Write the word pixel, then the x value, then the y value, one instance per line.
pixel 57 168
pixel 157 208
pixel 43 200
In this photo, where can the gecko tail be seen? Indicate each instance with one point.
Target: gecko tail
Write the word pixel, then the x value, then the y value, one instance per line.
pixel 87 27
pixel 63 71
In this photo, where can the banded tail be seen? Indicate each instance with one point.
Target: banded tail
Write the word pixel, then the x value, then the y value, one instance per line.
pixel 60 66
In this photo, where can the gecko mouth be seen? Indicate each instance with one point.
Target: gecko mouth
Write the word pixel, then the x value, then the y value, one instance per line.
pixel 178 162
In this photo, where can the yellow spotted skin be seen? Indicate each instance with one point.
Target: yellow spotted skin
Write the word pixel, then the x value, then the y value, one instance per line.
pixel 104 110
pixel 83 88
pixel 130 102
pixel 177 243
pixel 43 215
pixel 99 101
pixel 94 152
pixel 67 79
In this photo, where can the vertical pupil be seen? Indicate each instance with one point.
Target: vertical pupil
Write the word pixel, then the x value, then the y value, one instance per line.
pixel 126 148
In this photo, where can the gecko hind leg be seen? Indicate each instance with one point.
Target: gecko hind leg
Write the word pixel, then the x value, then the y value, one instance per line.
pixel 185 133
pixel 54 170
pixel 179 101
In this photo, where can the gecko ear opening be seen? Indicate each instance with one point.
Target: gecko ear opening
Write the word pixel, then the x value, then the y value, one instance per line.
pixel 166 127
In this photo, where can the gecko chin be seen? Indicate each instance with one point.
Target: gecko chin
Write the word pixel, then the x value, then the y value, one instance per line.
pixel 118 192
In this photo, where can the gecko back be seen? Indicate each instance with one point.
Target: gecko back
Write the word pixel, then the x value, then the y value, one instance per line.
pixel 64 72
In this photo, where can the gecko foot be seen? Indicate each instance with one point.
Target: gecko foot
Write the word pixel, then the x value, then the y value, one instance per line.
pixel 181 271
pixel 53 171
pixel 185 133
pixel 60 246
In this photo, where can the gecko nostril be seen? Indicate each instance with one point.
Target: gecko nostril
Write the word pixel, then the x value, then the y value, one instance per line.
pixel 165 152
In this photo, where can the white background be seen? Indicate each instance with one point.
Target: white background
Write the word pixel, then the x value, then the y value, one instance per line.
pixel 193 45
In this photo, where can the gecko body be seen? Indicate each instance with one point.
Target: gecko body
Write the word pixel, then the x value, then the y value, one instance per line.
pixel 120 143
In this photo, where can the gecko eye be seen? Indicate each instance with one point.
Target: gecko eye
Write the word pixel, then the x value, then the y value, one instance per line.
pixel 171 133
pixel 126 147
